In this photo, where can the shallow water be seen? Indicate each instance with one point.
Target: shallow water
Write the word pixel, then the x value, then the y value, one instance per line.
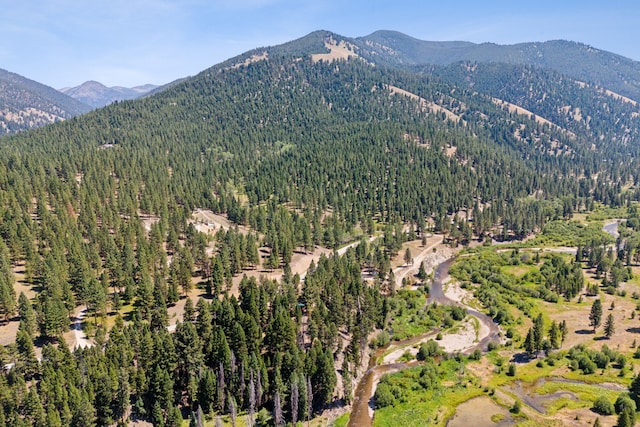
pixel 363 404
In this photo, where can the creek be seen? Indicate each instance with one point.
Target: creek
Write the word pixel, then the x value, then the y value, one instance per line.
pixel 363 404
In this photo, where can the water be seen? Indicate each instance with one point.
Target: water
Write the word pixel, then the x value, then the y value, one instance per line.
pixel 363 401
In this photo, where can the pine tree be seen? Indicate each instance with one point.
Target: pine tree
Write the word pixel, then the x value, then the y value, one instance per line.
pixel 529 342
pixel 634 389
pixel 595 316
pixel 538 332
pixel 407 257
pixel 554 335
pixel 27 315
pixel 609 327
pixel 422 273
pixel 564 330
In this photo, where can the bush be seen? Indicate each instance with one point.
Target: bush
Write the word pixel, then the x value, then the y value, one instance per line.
pixel 382 339
pixel 384 396
pixel 587 365
pixel 512 370
pixel 601 360
pixel 624 402
pixel 428 349
pixel 603 406
pixel 476 355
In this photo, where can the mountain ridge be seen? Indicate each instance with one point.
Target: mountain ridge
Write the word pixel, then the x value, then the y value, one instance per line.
pixel 578 60
pixel 98 95
pixel 25 104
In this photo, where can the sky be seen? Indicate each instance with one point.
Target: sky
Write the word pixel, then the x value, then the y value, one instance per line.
pixel 63 43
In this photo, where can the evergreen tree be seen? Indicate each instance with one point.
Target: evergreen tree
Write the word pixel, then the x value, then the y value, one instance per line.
pixel 538 332
pixel 27 315
pixel 595 316
pixel 408 259
pixel 609 327
pixel 554 335
pixel 529 342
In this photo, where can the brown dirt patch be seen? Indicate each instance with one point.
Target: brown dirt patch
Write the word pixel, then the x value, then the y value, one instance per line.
pixel 478 412
pixel 424 104
pixel 341 50
pixel 582 417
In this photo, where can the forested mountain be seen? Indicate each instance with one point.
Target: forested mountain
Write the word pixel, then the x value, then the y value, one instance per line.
pixel 98 95
pixel 576 60
pixel 589 113
pixel 26 104
pixel 300 144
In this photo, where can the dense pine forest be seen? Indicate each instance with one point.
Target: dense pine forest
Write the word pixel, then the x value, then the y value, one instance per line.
pixel 298 154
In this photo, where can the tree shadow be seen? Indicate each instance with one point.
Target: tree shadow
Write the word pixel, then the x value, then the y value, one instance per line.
pixel 584 331
pixel 633 330
pixel 523 357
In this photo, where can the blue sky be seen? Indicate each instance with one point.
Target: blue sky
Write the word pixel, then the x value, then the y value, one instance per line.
pixel 132 42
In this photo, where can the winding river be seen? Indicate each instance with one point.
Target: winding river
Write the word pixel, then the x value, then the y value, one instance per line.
pixel 362 408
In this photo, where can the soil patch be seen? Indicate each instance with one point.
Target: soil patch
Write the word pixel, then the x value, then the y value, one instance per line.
pixel 480 412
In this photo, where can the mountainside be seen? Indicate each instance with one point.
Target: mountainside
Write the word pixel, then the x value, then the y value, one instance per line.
pixel 26 104
pixel 227 181
pixel 577 60
pixel 343 130
pixel 98 95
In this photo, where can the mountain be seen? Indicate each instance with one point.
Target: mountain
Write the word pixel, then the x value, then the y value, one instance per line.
pixel 576 60
pixel 26 104
pixel 98 95
pixel 306 146
pixel 315 121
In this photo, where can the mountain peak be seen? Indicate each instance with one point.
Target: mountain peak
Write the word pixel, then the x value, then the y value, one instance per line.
pixel 98 95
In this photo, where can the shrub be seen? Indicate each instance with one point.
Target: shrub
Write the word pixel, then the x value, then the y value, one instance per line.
pixel 384 396
pixel 428 349
pixel 603 406
pixel 624 402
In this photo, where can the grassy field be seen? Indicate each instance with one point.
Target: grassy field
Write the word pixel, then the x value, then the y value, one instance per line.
pixel 563 388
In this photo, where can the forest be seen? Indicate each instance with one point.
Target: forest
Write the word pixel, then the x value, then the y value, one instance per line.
pixel 97 212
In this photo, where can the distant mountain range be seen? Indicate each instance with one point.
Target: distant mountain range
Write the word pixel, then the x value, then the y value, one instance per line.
pixel 97 95
pixel 26 104
pixel 577 60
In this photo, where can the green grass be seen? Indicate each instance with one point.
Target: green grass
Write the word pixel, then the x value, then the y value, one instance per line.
pixel 342 420
pixel 569 233
pixel 427 409
pixel 585 392
pixel 417 406
pixel 519 270
pixel 601 212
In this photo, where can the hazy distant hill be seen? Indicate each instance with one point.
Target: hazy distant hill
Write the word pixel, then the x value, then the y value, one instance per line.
pixel 26 104
pixel 98 95
pixel 577 60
